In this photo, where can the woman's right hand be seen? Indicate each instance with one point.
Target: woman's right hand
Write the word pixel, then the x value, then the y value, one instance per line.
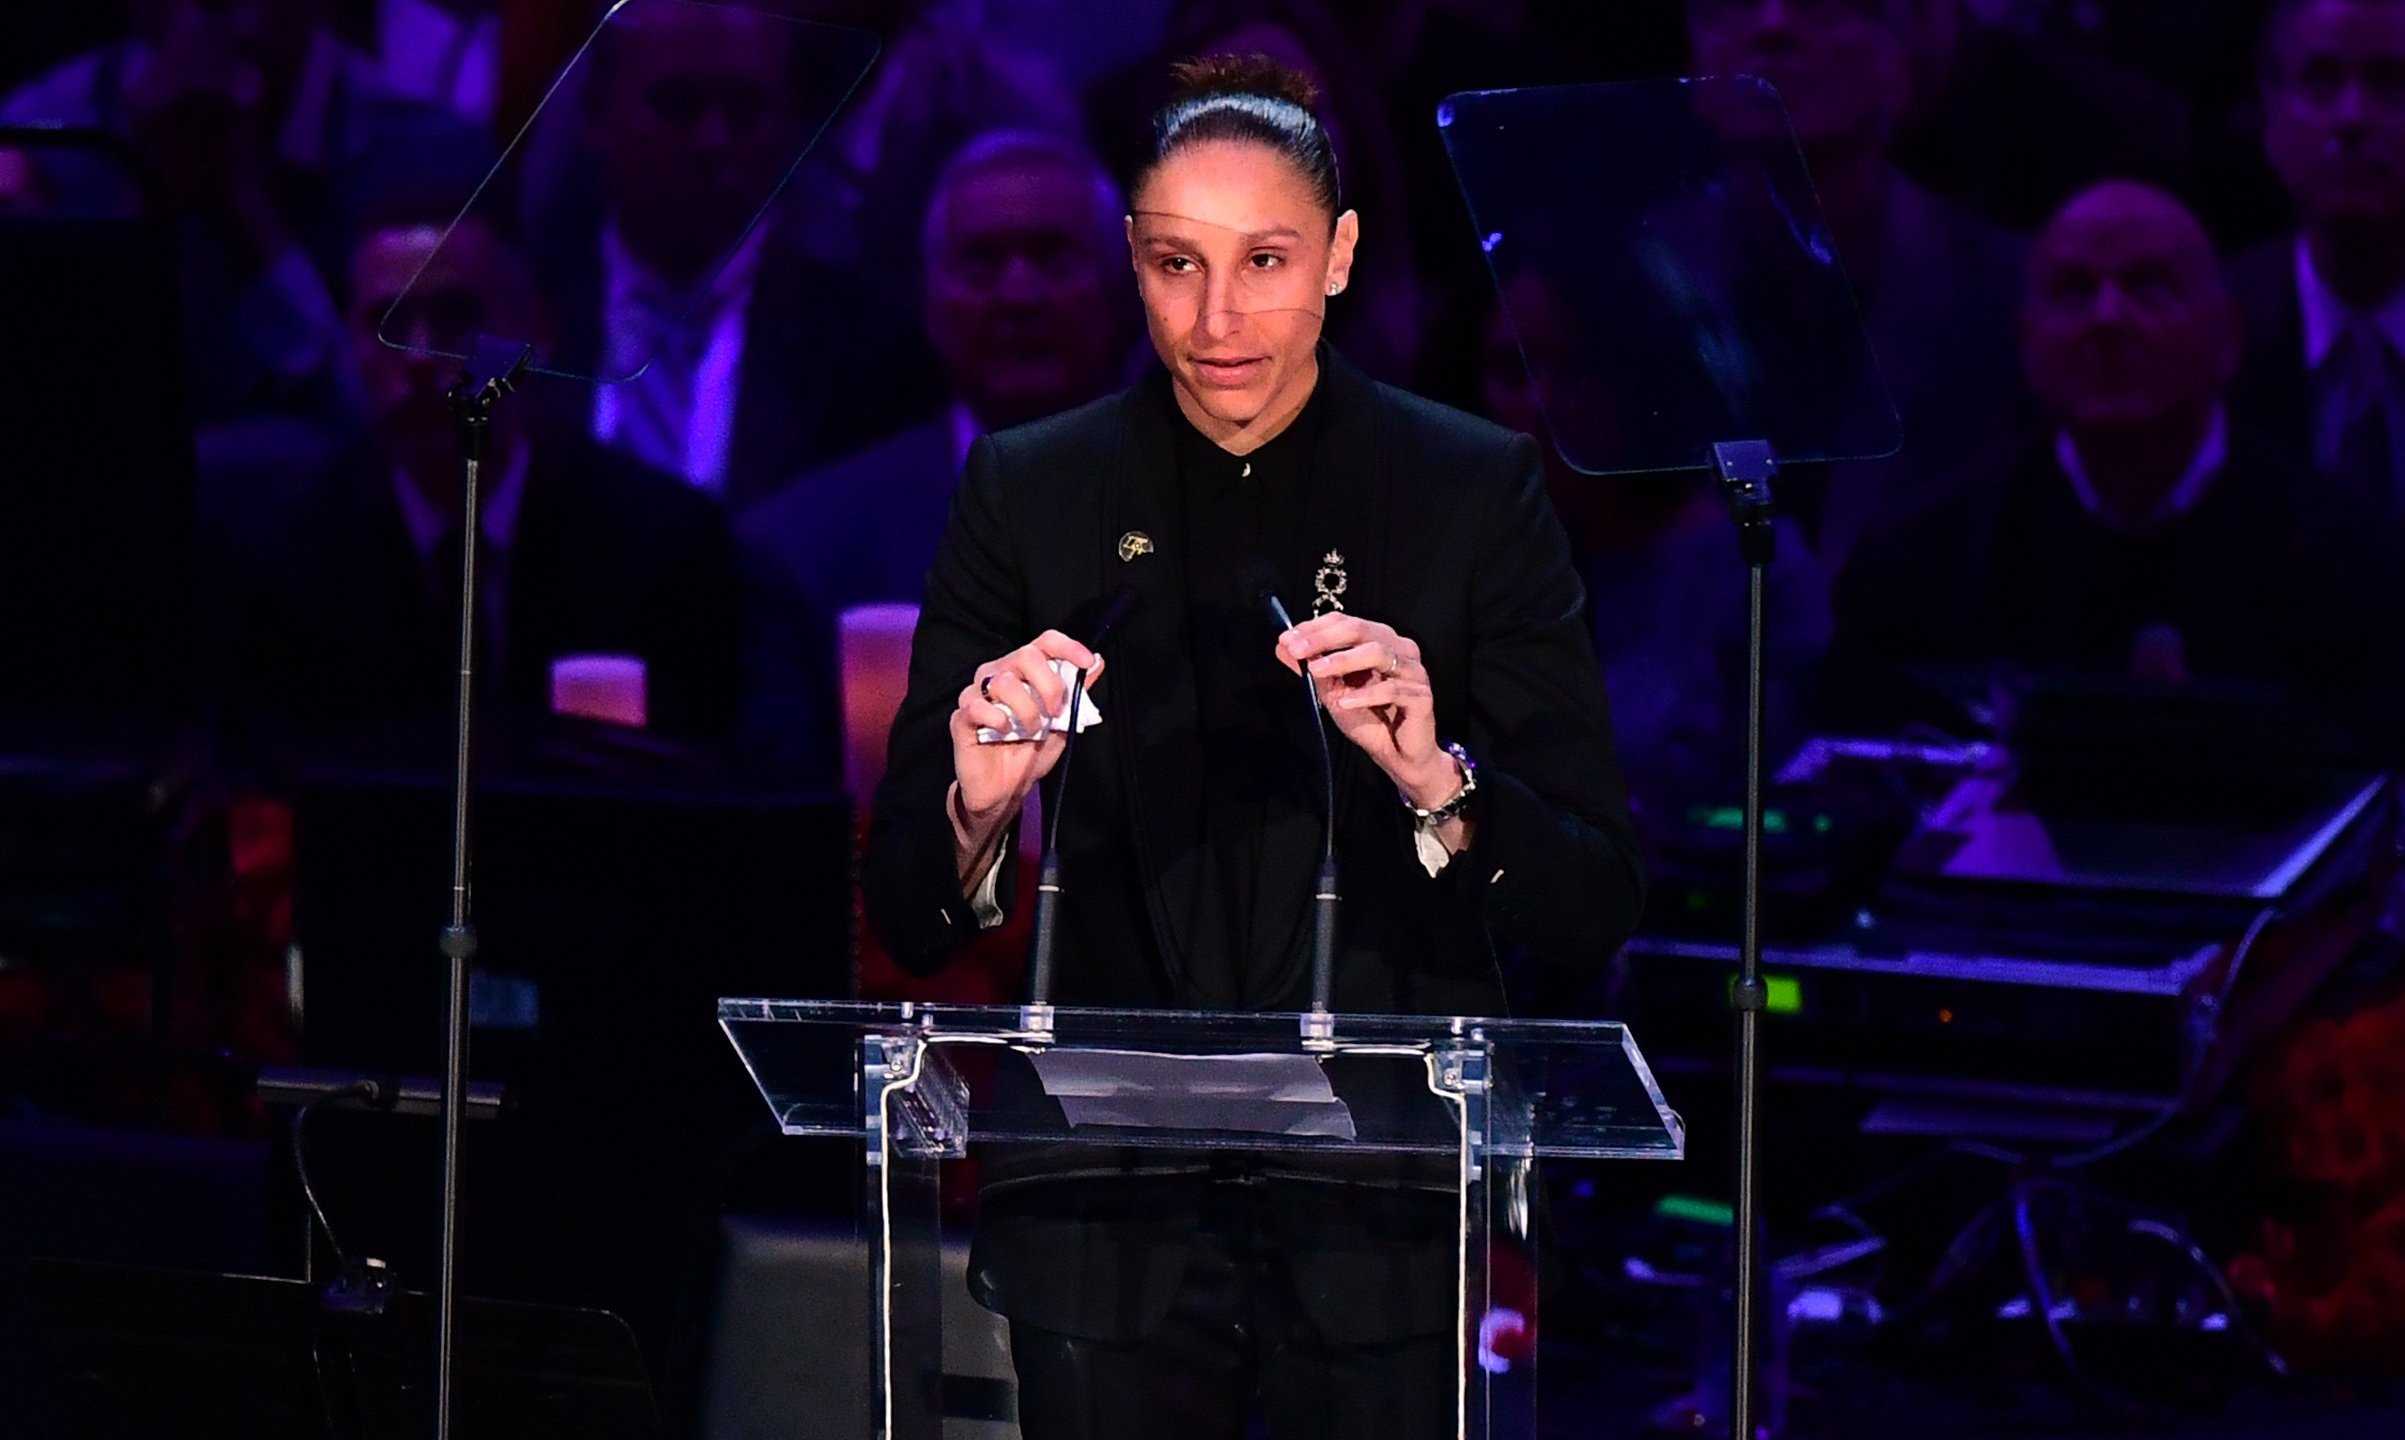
pixel 1016 694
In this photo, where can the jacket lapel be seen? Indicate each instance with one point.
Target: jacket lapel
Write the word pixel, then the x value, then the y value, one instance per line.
pixel 1148 692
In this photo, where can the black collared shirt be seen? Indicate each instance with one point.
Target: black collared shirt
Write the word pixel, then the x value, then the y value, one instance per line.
pixel 1261 820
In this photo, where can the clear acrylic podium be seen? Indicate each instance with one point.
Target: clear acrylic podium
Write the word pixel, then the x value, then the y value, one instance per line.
pixel 1468 1105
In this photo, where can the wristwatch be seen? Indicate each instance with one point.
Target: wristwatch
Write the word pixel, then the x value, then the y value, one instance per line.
pixel 1461 798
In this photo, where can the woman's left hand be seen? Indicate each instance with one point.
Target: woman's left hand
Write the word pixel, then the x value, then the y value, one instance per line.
pixel 1375 688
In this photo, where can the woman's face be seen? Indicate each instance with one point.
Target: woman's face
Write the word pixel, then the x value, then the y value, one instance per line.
pixel 1235 261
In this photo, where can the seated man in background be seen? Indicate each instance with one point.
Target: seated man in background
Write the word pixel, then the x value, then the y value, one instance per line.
pixel 742 364
pixel 337 582
pixel 2325 307
pixel 2145 537
pixel 1030 316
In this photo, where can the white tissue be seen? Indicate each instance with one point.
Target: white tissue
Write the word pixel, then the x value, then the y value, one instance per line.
pixel 1088 714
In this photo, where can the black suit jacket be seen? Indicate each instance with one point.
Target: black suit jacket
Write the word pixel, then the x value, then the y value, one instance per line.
pixel 333 628
pixel 2273 393
pixel 863 530
pixel 1445 534
pixel 2275 579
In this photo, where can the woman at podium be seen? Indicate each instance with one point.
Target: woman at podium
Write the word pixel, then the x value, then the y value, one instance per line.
pixel 1479 814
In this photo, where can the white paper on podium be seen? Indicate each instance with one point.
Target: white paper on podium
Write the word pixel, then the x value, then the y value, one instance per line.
pixel 1266 1094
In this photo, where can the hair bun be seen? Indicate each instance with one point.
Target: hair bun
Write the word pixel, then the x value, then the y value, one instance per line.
pixel 1247 100
pixel 1210 76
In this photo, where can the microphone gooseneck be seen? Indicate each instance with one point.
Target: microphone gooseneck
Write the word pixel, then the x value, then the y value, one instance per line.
pixel 1048 870
pixel 1325 897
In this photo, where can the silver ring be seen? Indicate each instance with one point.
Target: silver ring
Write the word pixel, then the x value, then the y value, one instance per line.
pixel 985 688
pixel 1394 661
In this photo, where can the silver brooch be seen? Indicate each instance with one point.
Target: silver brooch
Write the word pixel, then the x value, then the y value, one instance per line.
pixel 1328 584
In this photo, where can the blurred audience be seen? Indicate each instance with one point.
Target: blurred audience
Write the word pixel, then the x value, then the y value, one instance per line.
pixel 1081 41
pixel 2202 49
pixel 442 52
pixel 262 129
pixel 953 71
pixel 2142 487
pixel 336 585
pixel 2146 537
pixel 1028 307
pixel 1665 584
pixel 2010 116
pixel 1417 52
pixel 2325 306
pixel 739 359
pixel 1935 282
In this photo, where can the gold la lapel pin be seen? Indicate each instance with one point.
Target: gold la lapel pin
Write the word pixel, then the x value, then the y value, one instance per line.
pixel 1133 544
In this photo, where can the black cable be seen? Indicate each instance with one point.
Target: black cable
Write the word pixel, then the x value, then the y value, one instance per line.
pixel 1319 727
pixel 1844 1205
pixel 1060 784
pixel 1260 582
pixel 2216 1006
pixel 366 1090
pixel 326 1399
pixel 1258 578
pixel 2041 1291
pixel 1048 870
pixel 2129 1406
pixel 1114 610
pixel 2195 1255
pixel 2135 1221
pixel 1956 1261
pixel 1327 773
pixel 351 1284
pixel 1048 873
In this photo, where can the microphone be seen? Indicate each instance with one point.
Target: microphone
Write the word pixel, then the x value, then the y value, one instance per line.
pixel 1261 582
pixel 1038 1013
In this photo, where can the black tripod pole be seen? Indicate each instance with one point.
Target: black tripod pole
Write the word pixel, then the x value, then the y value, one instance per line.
pixel 487 378
pixel 1746 468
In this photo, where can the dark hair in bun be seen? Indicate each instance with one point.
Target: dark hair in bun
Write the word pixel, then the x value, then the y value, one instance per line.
pixel 1247 98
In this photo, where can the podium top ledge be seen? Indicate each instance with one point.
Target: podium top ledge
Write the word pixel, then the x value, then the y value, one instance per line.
pixel 1206 1029
pixel 1198 1080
